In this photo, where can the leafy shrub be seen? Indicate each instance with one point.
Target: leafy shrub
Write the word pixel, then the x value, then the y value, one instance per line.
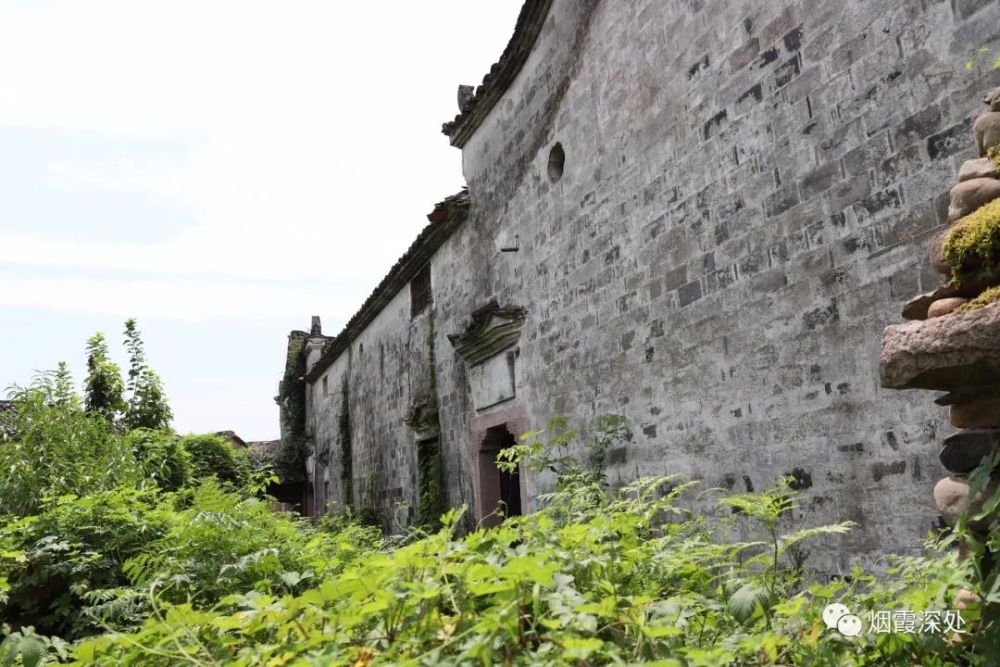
pixel 353 536
pixel 83 564
pixel 147 405
pixel 54 560
pixel 103 386
pixel 213 455
pixel 59 449
pixel 225 543
pixel 29 649
pixel 636 578
pixel 162 457
pixel 979 530
pixel 596 577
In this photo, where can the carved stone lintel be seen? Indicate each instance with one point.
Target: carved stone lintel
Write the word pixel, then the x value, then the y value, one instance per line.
pixel 493 330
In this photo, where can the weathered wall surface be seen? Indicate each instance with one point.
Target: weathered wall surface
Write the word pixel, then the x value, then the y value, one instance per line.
pixel 748 193
pixel 747 197
pixel 386 369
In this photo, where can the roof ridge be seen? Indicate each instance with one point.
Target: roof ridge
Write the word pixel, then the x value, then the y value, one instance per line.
pixel 444 219
pixel 474 109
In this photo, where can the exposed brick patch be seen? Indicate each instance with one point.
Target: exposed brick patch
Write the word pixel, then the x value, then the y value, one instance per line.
pixel 946 143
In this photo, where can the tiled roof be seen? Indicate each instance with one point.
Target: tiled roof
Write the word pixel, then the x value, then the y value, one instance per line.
pixel 444 220
pixel 231 436
pixel 269 453
pixel 7 417
pixel 475 109
pixel 264 450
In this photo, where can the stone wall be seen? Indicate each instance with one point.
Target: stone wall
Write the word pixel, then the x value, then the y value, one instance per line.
pixel 386 371
pixel 748 193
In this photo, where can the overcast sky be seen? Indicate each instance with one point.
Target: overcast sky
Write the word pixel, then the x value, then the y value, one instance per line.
pixel 221 171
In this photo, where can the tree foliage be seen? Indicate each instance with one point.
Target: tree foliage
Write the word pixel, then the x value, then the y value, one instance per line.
pixel 163 457
pixel 214 456
pixel 69 552
pixel 58 448
pixel 147 405
pixel 291 399
pixel 103 388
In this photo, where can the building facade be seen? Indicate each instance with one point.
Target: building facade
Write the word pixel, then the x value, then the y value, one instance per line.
pixel 698 214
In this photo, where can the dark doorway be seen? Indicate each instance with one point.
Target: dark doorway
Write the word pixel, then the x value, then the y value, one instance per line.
pixel 500 491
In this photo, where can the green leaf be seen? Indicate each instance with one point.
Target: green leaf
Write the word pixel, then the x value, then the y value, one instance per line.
pixel 31 649
pixel 581 648
pixel 661 631
pixel 746 601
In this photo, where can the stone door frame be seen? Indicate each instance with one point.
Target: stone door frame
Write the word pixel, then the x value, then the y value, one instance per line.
pixel 516 422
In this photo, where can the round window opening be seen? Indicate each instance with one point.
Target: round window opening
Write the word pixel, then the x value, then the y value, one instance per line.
pixel 557 160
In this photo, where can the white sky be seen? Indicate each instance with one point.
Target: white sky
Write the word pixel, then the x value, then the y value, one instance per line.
pixel 222 171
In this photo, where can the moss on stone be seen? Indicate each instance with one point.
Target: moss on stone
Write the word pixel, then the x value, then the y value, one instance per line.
pixel 972 248
pixel 994 154
pixel 992 295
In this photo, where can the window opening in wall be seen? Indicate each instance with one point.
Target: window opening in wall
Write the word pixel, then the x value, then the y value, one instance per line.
pixel 420 291
pixel 500 491
pixel 557 162
pixel 326 387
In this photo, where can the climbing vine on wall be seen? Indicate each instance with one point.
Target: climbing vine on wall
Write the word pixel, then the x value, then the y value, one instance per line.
pixel 424 419
pixel 344 431
pixel 291 399
pixel 430 504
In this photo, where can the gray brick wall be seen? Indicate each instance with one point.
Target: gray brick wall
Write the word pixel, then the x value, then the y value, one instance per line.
pixel 748 194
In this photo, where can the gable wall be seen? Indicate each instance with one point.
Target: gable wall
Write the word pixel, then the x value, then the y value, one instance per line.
pixel 747 199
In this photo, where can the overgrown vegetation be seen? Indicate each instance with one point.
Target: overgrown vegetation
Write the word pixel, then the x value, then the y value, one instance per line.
pixel 979 531
pixel 640 574
pixel 425 421
pixel 60 449
pixel 163 458
pixel 146 402
pixel 344 438
pixel 291 401
pixel 214 456
pixel 430 475
pixel 104 389
pixel 171 558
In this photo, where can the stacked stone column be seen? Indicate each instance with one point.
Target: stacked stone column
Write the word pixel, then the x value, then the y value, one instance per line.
pixel 952 342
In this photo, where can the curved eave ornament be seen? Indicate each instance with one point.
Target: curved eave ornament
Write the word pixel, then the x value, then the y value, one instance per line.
pixel 493 330
pixel 475 108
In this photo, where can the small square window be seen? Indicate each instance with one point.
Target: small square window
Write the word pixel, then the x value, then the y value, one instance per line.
pixel 420 291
